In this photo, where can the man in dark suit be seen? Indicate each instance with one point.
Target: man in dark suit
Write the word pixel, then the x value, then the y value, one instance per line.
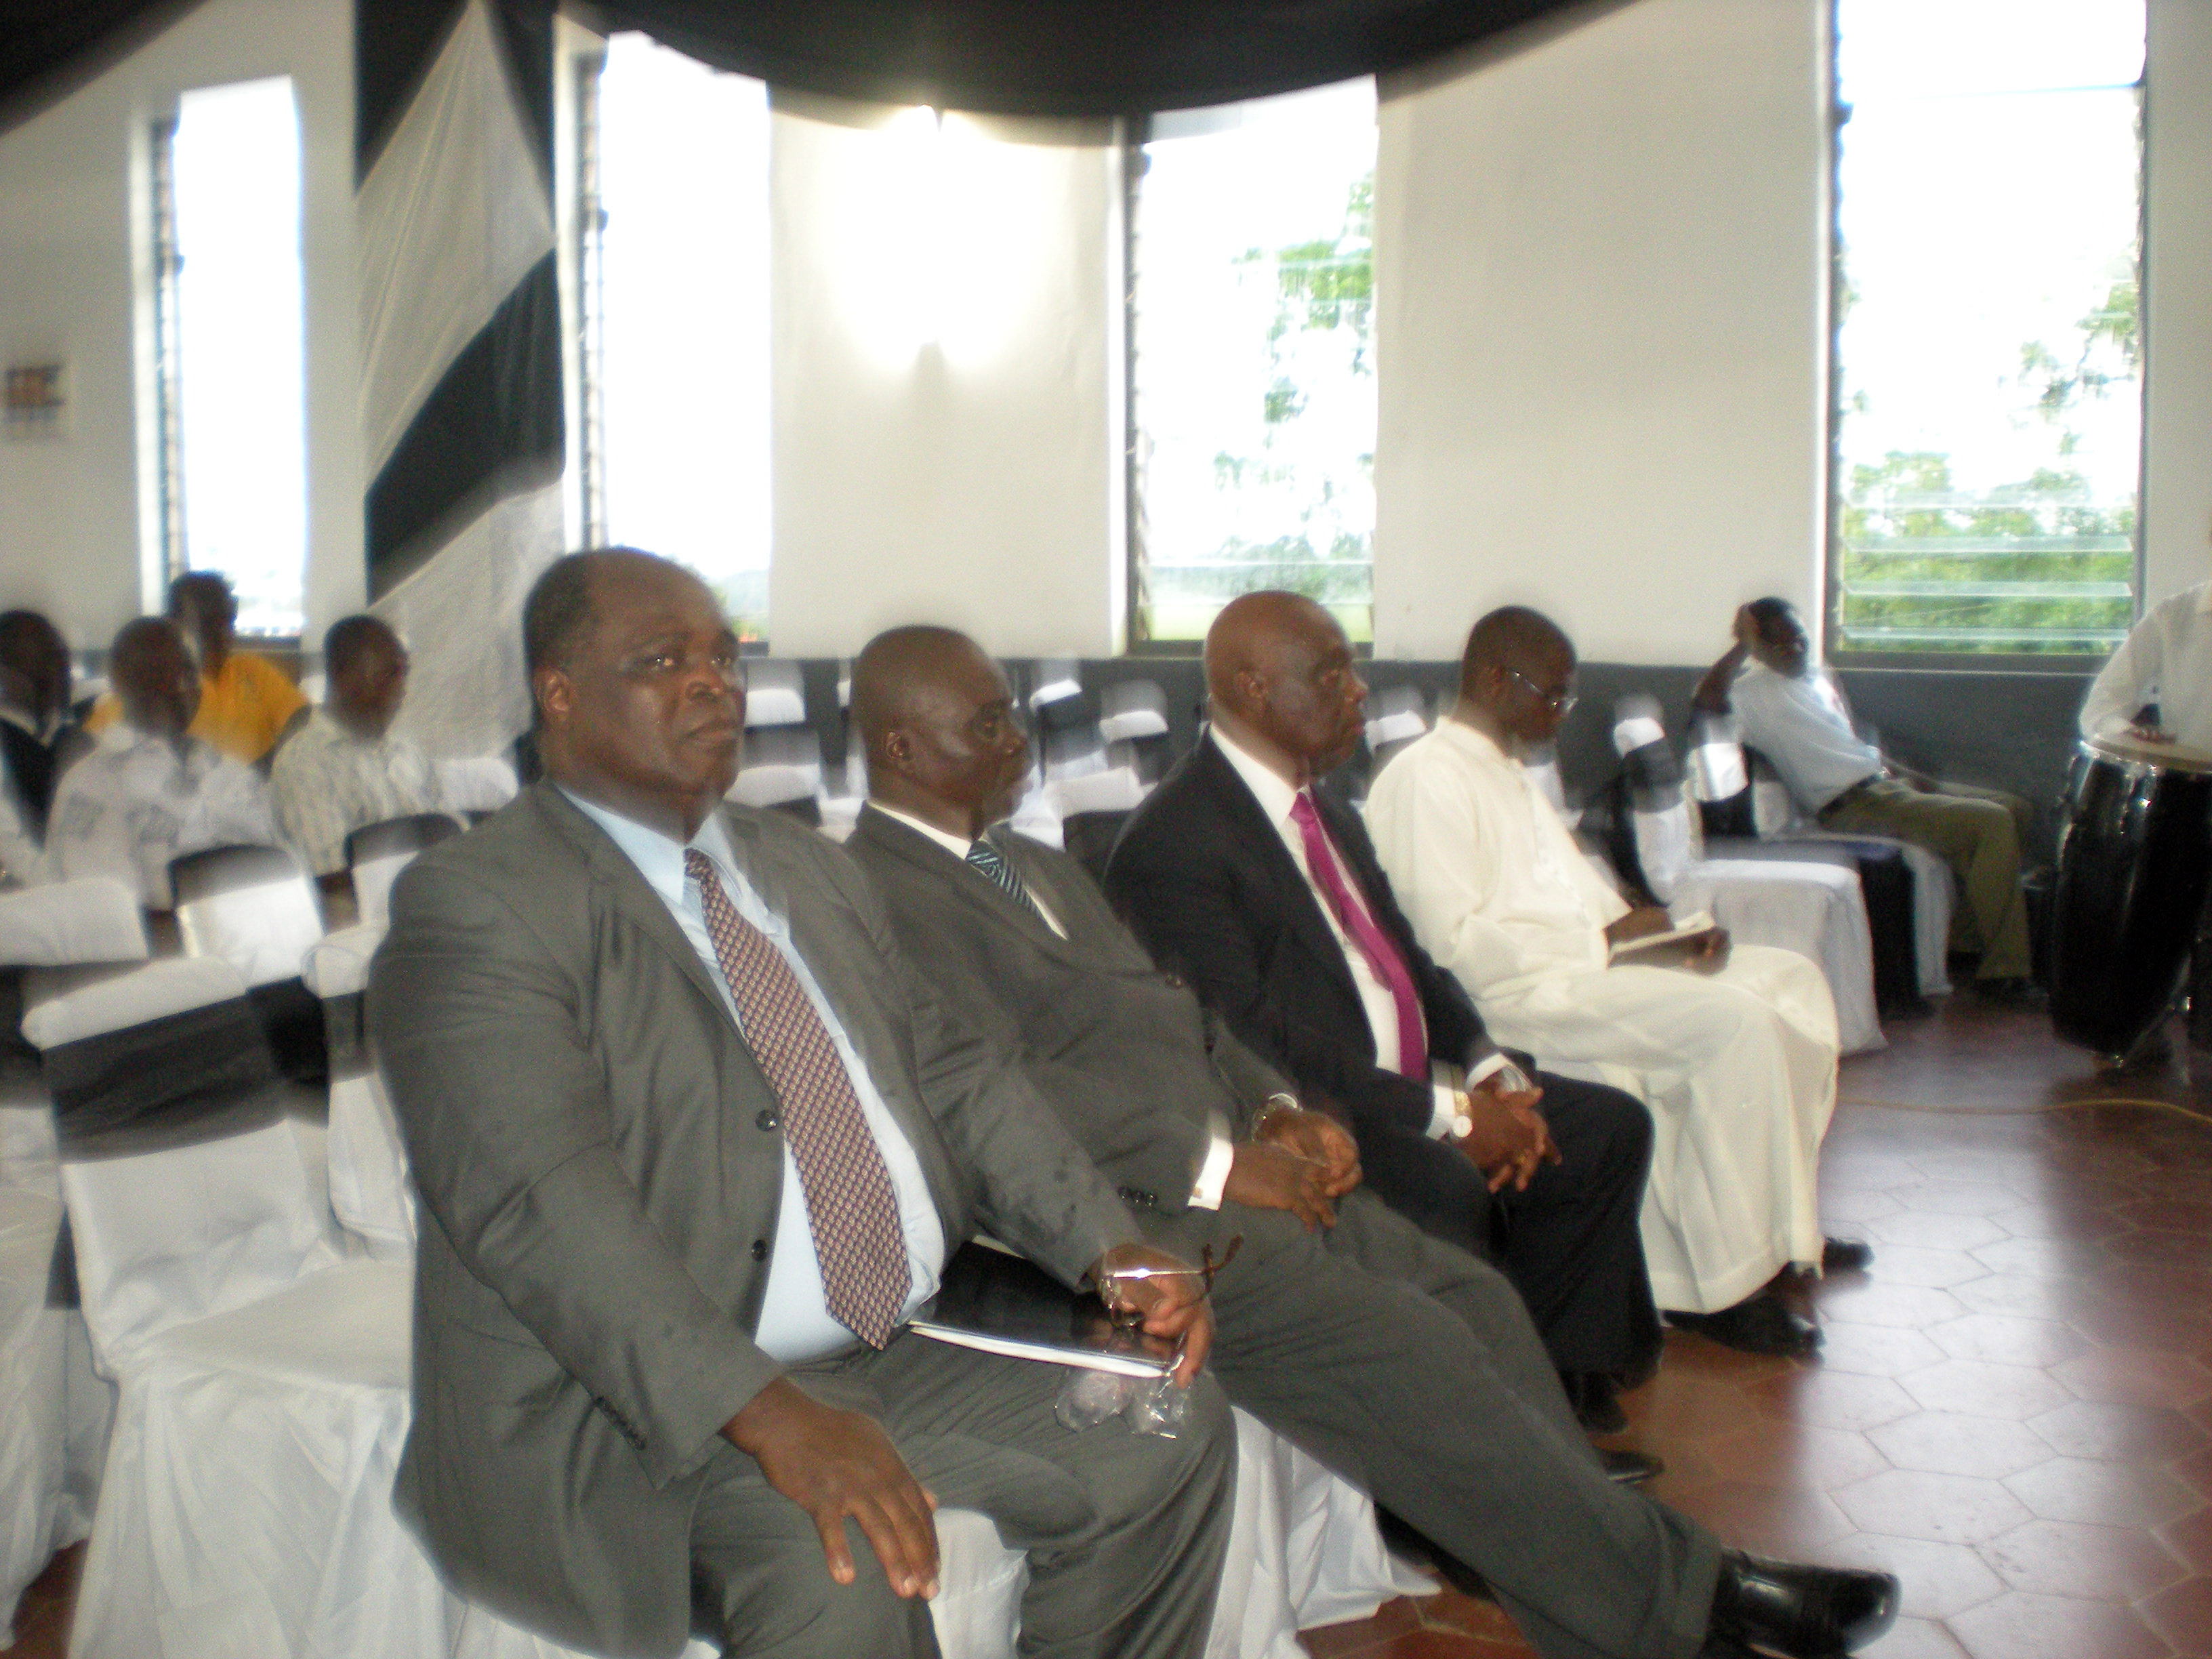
pixel 1240 876
pixel 694 1139
pixel 1401 1361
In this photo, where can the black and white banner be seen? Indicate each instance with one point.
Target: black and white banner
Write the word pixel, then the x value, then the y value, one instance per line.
pixel 460 385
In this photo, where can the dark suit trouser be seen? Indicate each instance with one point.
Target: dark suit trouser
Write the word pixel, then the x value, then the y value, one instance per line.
pixel 1571 1243
pixel 1125 1533
pixel 1413 1370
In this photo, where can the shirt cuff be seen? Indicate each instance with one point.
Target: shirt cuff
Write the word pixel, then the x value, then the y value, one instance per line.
pixel 1445 1112
pixel 1214 1174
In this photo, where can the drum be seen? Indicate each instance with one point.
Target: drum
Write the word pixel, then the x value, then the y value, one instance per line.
pixel 2134 856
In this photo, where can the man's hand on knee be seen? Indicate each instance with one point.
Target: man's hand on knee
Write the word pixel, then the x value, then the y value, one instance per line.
pixel 835 1465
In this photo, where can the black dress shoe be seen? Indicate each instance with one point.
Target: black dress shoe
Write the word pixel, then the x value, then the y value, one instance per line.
pixel 1846 1255
pixel 1805 1613
pixel 1759 1324
pixel 1629 1469
pixel 1591 1394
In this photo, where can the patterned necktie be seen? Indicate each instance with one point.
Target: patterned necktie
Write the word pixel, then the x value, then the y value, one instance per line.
pixel 984 855
pixel 1359 927
pixel 850 1207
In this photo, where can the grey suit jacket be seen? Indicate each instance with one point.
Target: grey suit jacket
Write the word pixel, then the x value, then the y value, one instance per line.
pixel 601 1161
pixel 1134 1065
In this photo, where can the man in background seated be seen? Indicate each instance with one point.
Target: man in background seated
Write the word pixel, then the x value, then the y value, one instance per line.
pixel 1239 875
pixel 695 1140
pixel 2158 686
pixel 148 790
pixel 1405 1364
pixel 1734 1047
pixel 343 770
pixel 34 710
pixel 246 701
pixel 1793 711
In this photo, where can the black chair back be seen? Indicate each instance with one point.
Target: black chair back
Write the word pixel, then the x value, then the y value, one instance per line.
pixel 416 833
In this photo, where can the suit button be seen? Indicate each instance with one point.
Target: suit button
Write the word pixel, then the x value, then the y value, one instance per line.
pixel 1172 981
pixel 767 1120
pixel 760 1249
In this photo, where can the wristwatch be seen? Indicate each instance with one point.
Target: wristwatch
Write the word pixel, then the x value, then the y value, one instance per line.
pixel 1462 1119
pixel 1276 1101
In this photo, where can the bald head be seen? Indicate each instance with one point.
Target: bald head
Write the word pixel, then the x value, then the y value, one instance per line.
pixel 1516 678
pixel 1283 684
pixel 944 741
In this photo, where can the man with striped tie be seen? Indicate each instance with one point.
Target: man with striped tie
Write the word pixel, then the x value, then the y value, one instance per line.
pixel 695 1140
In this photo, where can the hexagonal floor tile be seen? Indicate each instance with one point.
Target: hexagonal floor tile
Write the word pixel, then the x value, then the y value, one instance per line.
pixel 2008 1339
pixel 1832 1400
pixel 1875 1350
pixel 2109 1494
pixel 1983 1389
pixel 1872 1302
pixel 1933 1230
pixel 2121 1433
pixel 1951 1443
pixel 2183 1615
pixel 1798 1455
pixel 1945 1509
pixel 2189 1539
pixel 2020 1624
pixel 2135 1376
pixel 2067 1557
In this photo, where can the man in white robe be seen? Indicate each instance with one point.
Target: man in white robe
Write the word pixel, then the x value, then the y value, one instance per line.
pixel 1734 1050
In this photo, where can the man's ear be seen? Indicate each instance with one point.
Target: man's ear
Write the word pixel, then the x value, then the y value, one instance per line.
pixel 555 694
pixel 897 747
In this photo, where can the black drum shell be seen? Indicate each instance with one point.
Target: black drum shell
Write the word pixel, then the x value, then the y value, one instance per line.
pixel 2133 860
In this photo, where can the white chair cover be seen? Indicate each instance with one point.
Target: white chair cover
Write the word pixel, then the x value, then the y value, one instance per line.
pixel 246 1506
pixel 31 1373
pixel 370 1192
pixel 479 783
pixel 95 919
pixel 265 931
pixel 372 886
pixel 1134 708
pixel 1114 789
pixel 775 693
pixel 1818 910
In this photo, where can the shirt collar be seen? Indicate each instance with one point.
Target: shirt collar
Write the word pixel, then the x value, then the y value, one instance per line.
pixel 955 845
pixel 659 858
pixel 1275 796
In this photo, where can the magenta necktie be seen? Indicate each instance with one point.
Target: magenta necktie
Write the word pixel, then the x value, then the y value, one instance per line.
pixel 1374 944
pixel 851 1207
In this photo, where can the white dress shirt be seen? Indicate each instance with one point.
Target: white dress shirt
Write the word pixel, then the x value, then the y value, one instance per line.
pixel 134 803
pixel 1277 797
pixel 1220 1154
pixel 328 782
pixel 1799 722
pixel 795 1323
pixel 2166 660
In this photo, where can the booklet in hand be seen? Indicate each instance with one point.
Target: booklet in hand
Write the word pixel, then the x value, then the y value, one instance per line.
pixel 1688 928
pixel 1002 1305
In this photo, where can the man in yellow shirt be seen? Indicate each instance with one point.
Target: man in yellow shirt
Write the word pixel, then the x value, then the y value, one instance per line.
pixel 246 701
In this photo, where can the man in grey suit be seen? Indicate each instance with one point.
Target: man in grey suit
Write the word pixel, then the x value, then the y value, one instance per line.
pixel 1400 1361
pixel 694 1139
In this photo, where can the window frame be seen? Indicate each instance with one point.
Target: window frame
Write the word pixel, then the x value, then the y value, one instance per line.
pixel 2083 665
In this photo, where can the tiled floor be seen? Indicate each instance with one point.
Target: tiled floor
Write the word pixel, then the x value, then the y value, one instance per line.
pixel 2014 1411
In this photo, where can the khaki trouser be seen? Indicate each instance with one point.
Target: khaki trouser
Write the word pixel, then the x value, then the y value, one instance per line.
pixel 1978 833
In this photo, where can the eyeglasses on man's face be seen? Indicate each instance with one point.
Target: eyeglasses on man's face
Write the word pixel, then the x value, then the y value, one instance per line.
pixel 1558 702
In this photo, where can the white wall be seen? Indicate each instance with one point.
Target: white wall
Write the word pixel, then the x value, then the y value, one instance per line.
pixel 2176 511
pixel 947 389
pixel 73 255
pixel 1601 269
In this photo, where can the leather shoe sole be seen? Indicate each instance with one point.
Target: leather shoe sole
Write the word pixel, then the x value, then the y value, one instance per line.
pixel 1761 1324
pixel 1802 1612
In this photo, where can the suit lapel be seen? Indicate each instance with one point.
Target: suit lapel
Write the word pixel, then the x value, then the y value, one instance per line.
pixel 969 886
pixel 1265 843
pixel 628 891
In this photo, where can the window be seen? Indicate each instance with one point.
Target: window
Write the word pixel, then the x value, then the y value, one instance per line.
pixel 1252 361
pixel 229 332
pixel 673 174
pixel 1988 419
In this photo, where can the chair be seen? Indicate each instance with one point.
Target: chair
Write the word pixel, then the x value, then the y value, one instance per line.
pixel 377 852
pixel 370 1192
pixel 782 764
pixel 776 693
pixel 1657 842
pixel 481 783
pixel 256 909
pixel 1131 710
pixel 33 1359
pixel 263 1377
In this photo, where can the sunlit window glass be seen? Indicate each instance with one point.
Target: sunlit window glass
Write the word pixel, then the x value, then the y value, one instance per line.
pixel 684 319
pixel 1252 324
pixel 238 367
pixel 1988 413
